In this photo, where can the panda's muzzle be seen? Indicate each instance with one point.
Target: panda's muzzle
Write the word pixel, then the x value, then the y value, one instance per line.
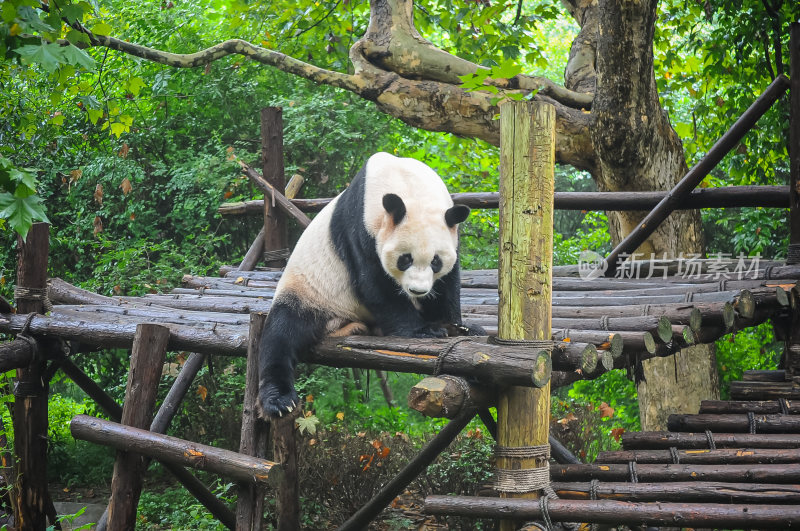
pixel 418 293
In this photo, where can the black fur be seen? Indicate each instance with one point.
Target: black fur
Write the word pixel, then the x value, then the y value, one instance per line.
pixel 455 215
pixel 290 330
pixel 394 205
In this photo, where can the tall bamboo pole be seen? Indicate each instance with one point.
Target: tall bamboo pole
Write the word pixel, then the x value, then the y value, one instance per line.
pixel 527 155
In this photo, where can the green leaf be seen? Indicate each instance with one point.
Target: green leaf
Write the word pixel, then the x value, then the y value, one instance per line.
pixel 507 69
pixel 73 12
pixel 8 12
pixel 101 29
pixel 307 424
pixel 94 115
pixel 21 212
pixel 74 36
pixel 49 56
pixel 76 56
pixel 117 128
pixel 134 85
pixel 23 177
pixel 57 119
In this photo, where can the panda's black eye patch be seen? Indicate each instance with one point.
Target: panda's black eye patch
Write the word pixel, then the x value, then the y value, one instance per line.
pixel 436 264
pixel 404 262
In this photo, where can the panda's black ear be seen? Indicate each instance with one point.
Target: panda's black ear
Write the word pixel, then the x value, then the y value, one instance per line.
pixel 394 206
pixel 456 214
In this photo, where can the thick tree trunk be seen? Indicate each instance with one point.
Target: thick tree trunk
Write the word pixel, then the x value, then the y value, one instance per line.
pixel 637 149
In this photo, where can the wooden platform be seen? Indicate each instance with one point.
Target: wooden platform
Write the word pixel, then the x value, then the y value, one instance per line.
pixel 599 324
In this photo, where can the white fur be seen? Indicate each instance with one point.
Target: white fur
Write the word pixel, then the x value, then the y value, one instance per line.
pixel 423 232
pixel 317 275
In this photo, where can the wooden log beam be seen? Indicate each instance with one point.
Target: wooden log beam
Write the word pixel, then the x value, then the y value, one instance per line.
pixel 719 197
pixel 445 396
pixel 765 390
pixel 765 376
pixel 681 491
pixel 665 439
pixel 682 190
pixel 491 364
pixel 222 340
pixel 743 406
pixel 269 191
pixel 706 515
pixel 750 473
pixel 722 456
pixel 174 450
pixel 732 423
pixel 30 497
pixel 15 354
pixel 147 359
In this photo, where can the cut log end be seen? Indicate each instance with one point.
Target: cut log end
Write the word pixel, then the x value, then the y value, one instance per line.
pixel 745 304
pixel 589 359
pixel 542 368
pixel 728 315
pixel 696 319
pixel 649 342
pixel 664 330
pixel 617 345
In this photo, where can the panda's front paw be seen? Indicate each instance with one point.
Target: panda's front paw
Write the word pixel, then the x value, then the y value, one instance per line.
pixel 274 402
pixel 430 331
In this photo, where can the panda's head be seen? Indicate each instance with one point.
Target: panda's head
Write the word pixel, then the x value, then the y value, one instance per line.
pixel 418 244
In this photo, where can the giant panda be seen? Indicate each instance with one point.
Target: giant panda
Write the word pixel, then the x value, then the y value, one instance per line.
pixel 383 253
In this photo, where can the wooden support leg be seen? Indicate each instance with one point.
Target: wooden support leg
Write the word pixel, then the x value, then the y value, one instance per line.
pixel 30 395
pixel 527 156
pixel 255 433
pixel 284 448
pixel 147 359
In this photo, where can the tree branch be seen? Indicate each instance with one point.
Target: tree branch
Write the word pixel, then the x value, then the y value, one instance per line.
pixel 231 47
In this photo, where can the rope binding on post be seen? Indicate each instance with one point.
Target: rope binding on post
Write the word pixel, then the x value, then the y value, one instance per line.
pixel 33 294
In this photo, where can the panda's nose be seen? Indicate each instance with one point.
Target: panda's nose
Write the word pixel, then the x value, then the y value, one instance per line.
pixel 417 292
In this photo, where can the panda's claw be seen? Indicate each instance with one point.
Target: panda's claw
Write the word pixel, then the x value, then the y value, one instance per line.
pixel 275 401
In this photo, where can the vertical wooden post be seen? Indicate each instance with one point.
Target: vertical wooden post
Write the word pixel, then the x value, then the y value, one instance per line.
pixel 30 496
pixel 275 237
pixel 791 361
pixel 147 360
pixel 255 433
pixel 284 448
pixel 794 144
pixel 527 156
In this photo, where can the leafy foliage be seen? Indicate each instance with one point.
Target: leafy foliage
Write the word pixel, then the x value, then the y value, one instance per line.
pixel 751 349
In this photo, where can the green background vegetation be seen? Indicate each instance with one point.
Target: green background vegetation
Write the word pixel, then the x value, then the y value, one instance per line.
pixel 130 160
